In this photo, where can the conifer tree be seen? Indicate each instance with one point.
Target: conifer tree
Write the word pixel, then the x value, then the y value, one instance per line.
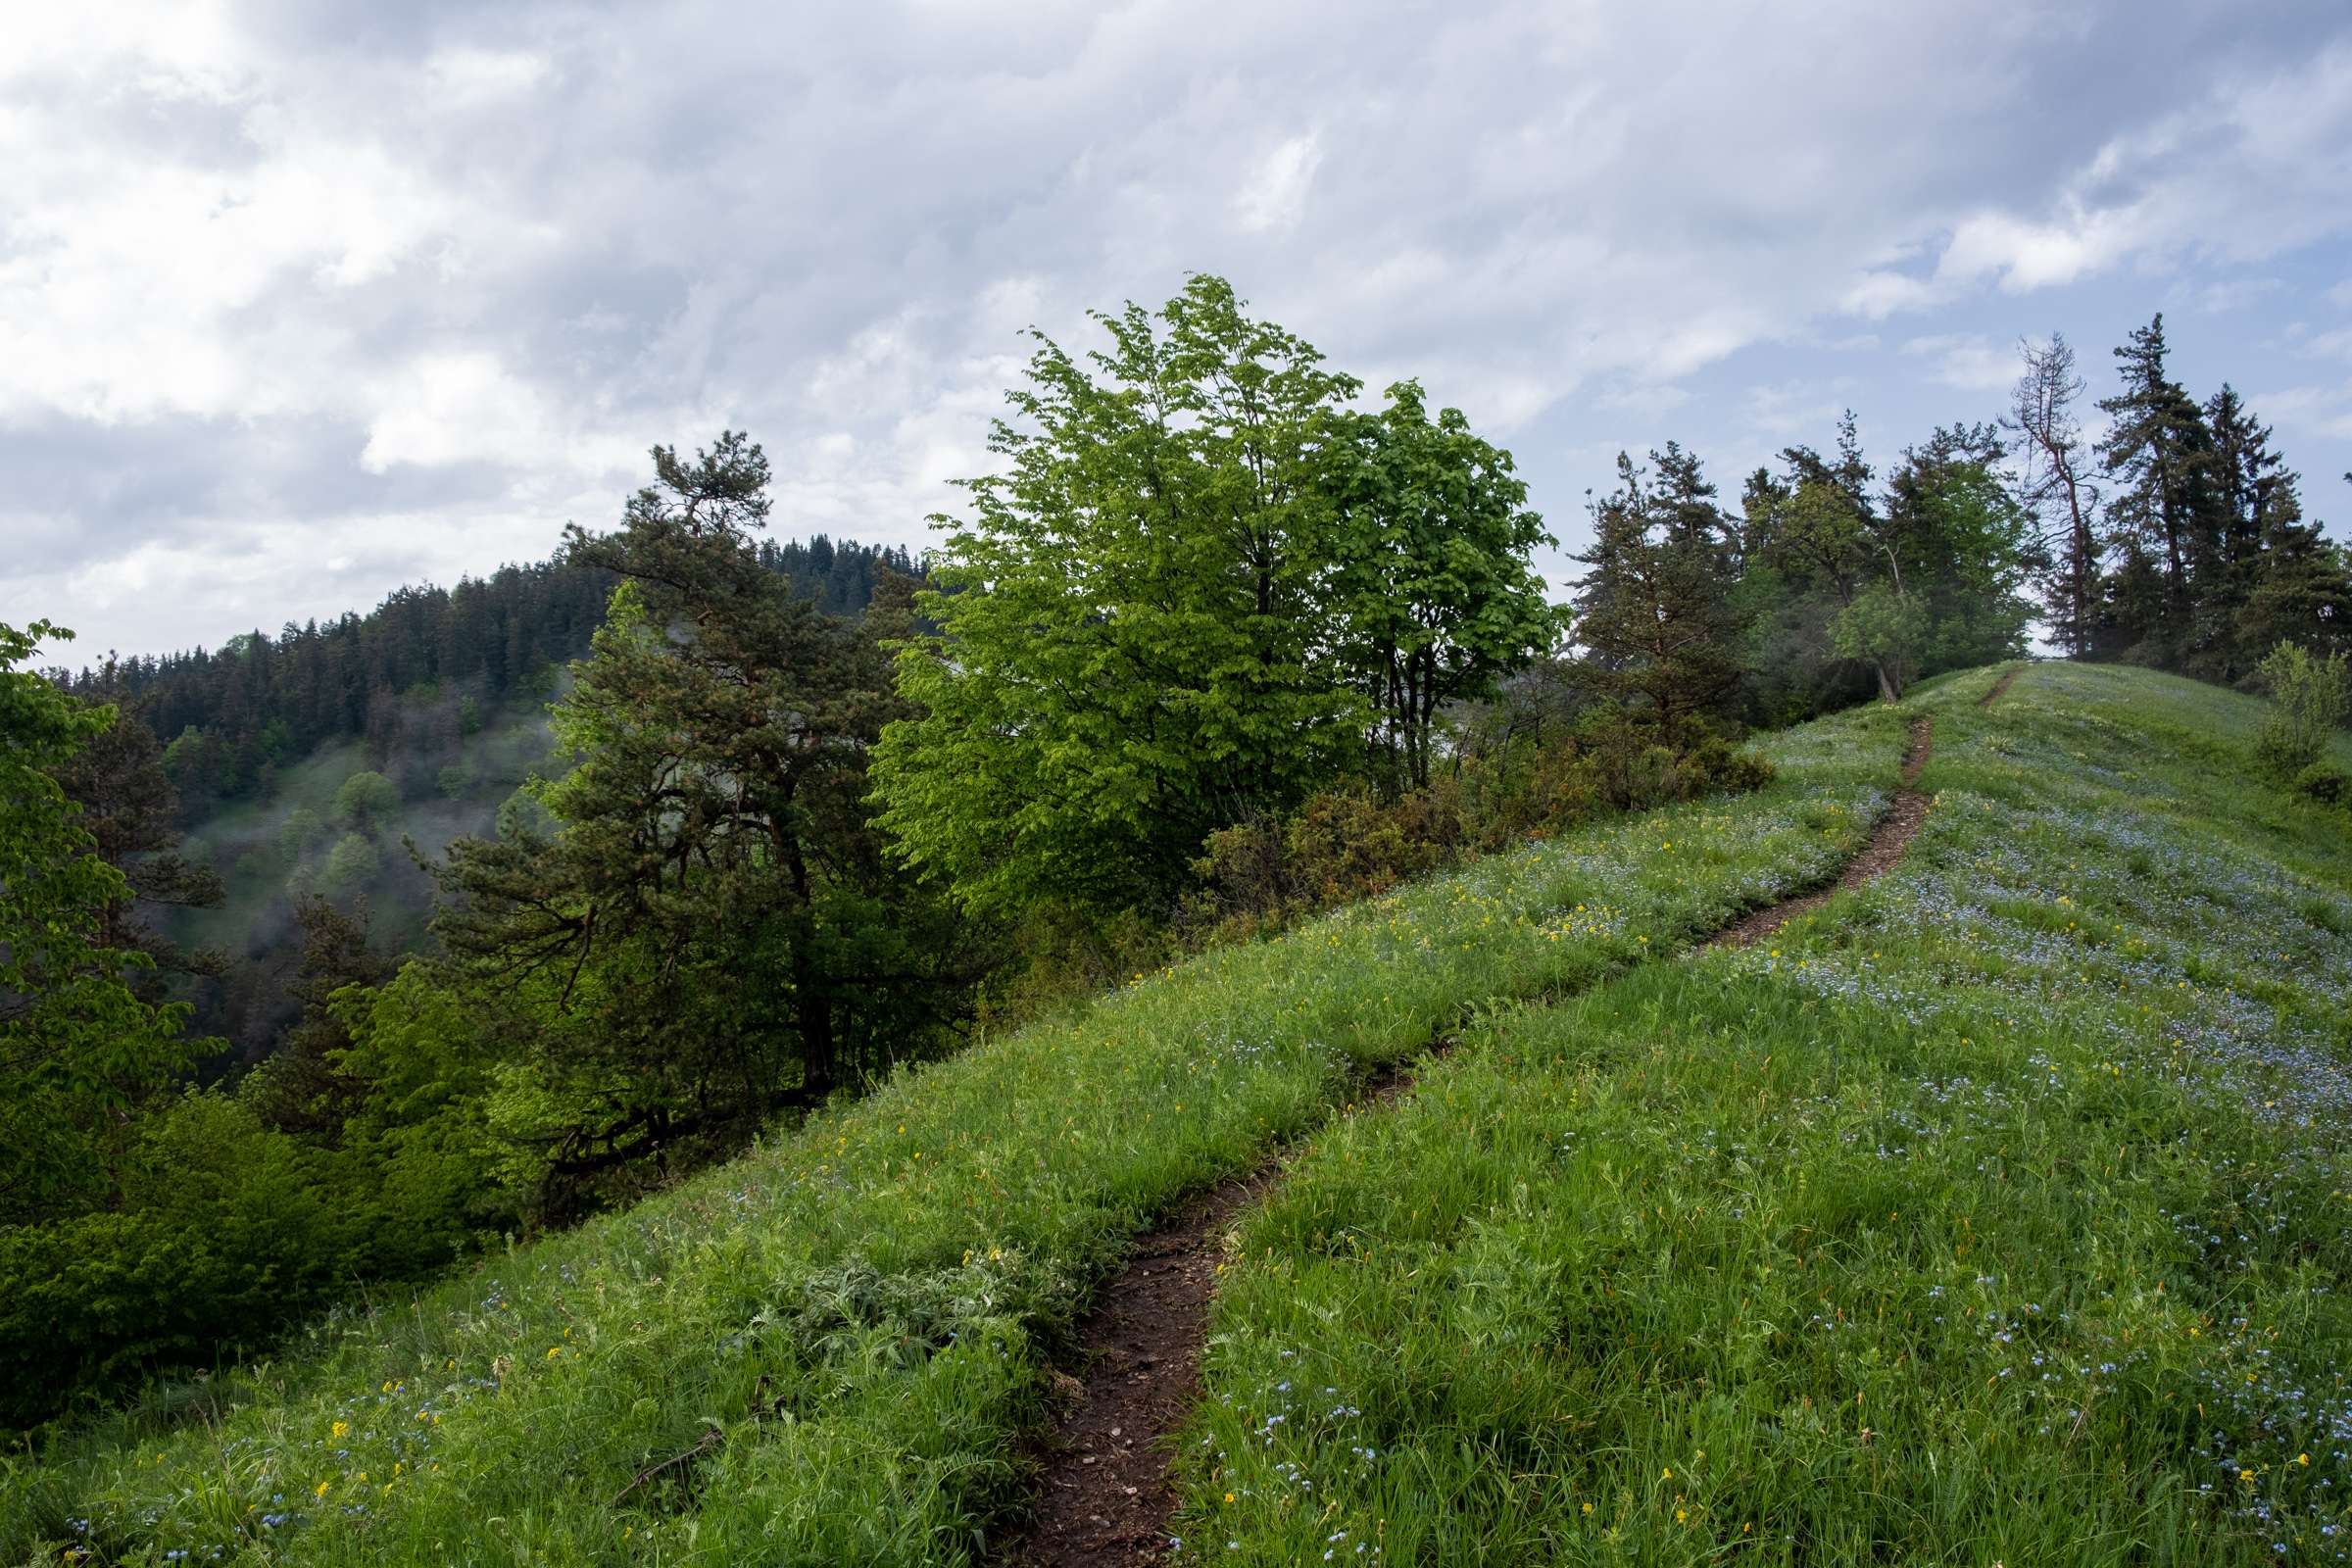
pixel 2159 455
pixel 1654 612
pixel 710 932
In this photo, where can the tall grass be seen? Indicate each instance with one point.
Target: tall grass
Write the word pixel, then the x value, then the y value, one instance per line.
pixel 829 1351
pixel 1999 1213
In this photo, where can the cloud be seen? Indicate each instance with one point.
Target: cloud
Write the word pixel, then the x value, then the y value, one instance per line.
pixel 2322 410
pixel 1967 361
pixel 1274 196
pixel 301 302
pixel 2234 175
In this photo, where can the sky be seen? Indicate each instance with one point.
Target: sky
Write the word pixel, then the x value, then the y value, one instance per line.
pixel 304 301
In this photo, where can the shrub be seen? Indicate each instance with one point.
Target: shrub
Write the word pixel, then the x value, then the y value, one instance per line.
pixel 1343 845
pixel 2309 698
pixel 1634 772
pixel 2326 782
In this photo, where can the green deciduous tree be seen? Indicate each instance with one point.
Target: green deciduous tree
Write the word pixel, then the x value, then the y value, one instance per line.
pixel 2310 697
pixel 1131 622
pixel 1433 591
pixel 78 1048
pixel 367 801
pixel 350 865
pixel 1201 583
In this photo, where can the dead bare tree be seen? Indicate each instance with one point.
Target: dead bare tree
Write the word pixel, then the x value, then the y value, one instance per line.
pixel 2054 487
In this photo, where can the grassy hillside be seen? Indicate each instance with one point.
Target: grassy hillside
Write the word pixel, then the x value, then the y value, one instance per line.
pixel 2076 1064
pixel 2001 1213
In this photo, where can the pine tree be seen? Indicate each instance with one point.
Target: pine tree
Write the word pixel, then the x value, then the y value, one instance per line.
pixel 2159 454
pixel 709 933
pixel 1655 613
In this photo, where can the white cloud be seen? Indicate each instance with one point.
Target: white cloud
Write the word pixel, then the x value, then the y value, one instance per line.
pixel 1274 196
pixel 402 298
pixel 2309 411
pixel 1967 361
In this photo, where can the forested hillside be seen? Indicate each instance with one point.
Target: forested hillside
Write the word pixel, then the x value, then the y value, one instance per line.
pixel 501 909
pixel 307 764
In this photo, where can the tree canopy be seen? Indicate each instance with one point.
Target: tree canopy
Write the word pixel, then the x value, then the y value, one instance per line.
pixel 1202 585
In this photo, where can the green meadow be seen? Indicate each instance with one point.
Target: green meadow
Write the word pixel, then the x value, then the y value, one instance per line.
pixel 1995 1213
pixel 2001 1213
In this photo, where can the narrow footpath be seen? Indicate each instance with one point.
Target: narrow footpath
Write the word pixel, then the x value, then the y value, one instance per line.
pixel 1105 1498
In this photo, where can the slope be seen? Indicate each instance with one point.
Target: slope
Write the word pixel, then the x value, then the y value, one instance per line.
pixel 830 1350
pixel 865 1311
pixel 1995 1213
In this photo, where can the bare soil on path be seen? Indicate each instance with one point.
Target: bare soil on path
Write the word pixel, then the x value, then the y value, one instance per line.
pixel 1105 1498
pixel 1887 841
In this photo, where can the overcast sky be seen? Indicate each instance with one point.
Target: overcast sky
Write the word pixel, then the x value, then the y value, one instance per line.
pixel 301 302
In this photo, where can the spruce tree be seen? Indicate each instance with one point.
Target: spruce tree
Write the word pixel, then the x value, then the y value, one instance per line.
pixel 2160 457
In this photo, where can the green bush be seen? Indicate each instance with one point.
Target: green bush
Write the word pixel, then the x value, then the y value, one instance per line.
pixel 2326 782
pixel 2309 698
pixel 224 1235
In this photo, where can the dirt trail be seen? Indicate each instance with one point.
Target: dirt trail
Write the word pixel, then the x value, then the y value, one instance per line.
pixel 1103 1500
pixel 1887 844
pixel 2008 676
pixel 1105 1496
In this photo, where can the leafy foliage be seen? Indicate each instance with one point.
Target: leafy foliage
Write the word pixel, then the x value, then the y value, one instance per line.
pixel 2310 698
pixel 1199 587
pixel 78 1048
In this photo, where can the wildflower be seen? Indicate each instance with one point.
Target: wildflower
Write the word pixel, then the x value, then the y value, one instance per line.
pixel 1588 1507
pixel 338 1429
pixel 322 1489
